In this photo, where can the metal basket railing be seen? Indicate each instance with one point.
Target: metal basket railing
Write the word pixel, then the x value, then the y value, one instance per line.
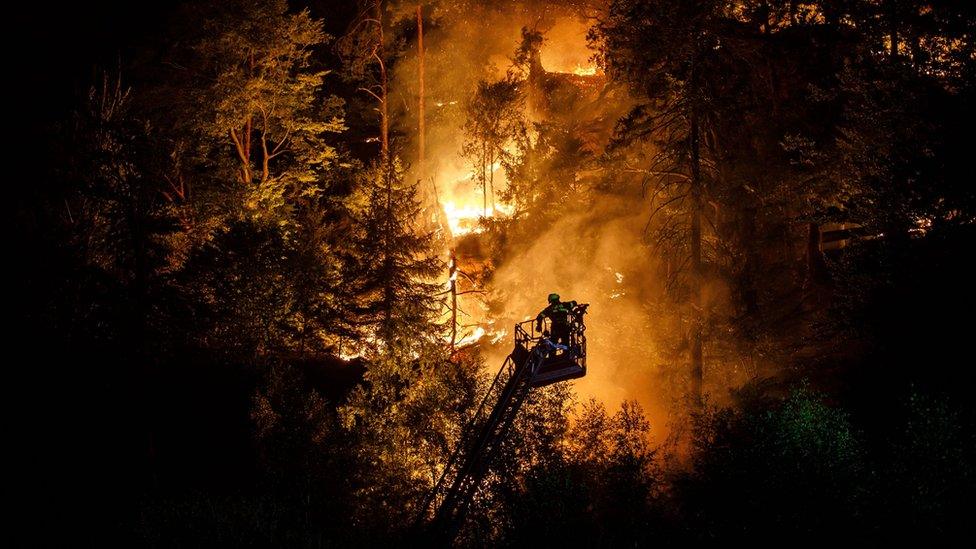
pixel 526 335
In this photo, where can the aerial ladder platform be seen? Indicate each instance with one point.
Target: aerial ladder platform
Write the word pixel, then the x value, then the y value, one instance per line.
pixel 536 361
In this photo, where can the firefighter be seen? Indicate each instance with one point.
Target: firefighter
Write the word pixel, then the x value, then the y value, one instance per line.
pixel 558 313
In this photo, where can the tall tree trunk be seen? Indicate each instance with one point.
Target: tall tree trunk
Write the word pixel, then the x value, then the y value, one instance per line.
pixel 380 54
pixel 242 144
pixel 388 290
pixel 421 101
pixel 491 179
pixel 248 129
pixel 484 179
pixel 696 261
pixel 454 308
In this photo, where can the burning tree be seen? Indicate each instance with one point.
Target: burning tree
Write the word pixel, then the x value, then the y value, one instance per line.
pixel 495 119
pixel 404 417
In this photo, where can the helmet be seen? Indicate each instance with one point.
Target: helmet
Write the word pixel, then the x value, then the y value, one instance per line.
pixel 553 298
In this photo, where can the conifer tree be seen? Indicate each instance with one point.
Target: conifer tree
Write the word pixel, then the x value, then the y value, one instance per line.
pixel 392 264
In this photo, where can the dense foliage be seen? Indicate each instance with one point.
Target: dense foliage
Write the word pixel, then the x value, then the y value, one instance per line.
pixel 229 300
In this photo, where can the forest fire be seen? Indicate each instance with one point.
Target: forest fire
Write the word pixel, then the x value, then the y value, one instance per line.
pixel 472 338
pixel 565 48
pixel 464 220
pixel 376 273
pixel 585 71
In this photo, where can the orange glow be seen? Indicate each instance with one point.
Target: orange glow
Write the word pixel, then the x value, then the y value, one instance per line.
pixel 565 49
pixel 584 71
pixel 472 338
pixel 462 219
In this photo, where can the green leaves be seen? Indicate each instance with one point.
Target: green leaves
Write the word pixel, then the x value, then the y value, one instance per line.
pixel 259 109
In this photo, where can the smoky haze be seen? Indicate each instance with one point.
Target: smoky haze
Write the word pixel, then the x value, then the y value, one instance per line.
pixel 594 255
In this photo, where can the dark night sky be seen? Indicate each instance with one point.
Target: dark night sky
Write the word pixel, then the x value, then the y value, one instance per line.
pixel 61 45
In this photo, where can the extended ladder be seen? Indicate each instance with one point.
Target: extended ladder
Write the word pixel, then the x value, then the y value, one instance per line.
pixel 534 362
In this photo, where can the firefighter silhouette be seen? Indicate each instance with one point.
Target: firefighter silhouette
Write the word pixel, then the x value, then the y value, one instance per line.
pixel 559 314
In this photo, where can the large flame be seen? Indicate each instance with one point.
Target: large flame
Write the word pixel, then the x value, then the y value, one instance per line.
pixel 472 338
pixel 466 219
pixel 463 201
pixel 465 205
pixel 580 70
pixel 462 219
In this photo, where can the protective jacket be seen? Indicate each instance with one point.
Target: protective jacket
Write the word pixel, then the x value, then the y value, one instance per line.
pixel 557 313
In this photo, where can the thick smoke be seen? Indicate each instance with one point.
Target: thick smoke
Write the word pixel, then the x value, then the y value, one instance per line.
pixel 594 256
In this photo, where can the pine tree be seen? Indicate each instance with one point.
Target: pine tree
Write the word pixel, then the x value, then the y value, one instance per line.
pixel 668 53
pixel 392 264
pixel 404 416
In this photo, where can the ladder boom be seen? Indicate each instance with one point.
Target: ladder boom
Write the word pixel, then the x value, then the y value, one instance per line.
pixel 534 362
